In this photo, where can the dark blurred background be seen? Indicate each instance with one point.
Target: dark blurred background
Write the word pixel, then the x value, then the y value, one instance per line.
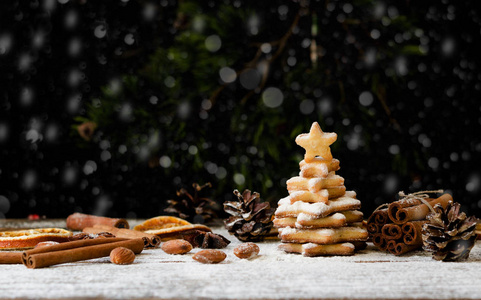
pixel 109 107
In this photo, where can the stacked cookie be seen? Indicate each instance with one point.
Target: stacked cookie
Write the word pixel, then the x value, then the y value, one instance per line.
pixel 319 217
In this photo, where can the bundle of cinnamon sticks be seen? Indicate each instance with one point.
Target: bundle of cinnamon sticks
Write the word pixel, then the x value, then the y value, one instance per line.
pixel 92 243
pixel 397 228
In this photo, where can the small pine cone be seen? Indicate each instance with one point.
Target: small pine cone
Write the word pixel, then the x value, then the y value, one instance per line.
pixel 449 234
pixel 251 219
pixel 191 206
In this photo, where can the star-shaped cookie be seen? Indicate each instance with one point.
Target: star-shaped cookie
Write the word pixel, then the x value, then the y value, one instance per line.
pixel 316 143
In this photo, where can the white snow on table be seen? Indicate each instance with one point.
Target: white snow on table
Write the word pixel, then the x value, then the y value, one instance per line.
pixel 273 274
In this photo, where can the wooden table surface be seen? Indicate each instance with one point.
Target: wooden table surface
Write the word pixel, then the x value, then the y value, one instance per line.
pixel 369 274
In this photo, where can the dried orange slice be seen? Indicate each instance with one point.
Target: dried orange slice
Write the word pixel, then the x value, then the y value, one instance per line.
pixel 26 239
pixel 168 227
pixel 161 222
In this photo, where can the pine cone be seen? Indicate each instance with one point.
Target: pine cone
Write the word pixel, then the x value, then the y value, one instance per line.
pixel 251 219
pixel 191 206
pixel 449 234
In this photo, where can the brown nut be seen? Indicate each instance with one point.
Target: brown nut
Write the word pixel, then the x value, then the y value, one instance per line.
pixel 209 256
pixel 246 250
pixel 176 246
pixel 46 243
pixel 122 256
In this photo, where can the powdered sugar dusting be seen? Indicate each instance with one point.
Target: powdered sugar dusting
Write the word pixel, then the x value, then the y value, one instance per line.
pixel 344 201
pixel 323 193
pixel 309 246
pixel 348 245
pixel 294 194
pixel 287 230
pixel 305 217
pixel 350 194
pixel 313 183
pixel 284 201
pixel 273 274
pixel 326 231
pixel 338 216
pixel 323 231
pixel 297 207
pixel 314 208
pixel 295 180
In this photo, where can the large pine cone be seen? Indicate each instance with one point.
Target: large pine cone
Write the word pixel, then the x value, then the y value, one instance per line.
pixel 251 219
pixel 449 234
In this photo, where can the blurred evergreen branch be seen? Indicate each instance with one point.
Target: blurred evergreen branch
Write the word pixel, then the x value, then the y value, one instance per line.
pixel 194 127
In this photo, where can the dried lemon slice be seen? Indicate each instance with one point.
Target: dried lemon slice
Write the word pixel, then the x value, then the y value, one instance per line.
pixel 25 239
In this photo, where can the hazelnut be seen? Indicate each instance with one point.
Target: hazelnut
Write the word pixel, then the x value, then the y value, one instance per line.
pixel 176 246
pixel 122 256
pixel 246 250
pixel 209 256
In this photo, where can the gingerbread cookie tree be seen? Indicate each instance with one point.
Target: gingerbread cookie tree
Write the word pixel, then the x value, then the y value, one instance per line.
pixel 319 217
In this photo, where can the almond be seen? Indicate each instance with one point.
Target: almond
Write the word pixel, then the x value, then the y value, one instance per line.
pixel 176 246
pixel 46 243
pixel 209 256
pixel 246 250
pixel 122 256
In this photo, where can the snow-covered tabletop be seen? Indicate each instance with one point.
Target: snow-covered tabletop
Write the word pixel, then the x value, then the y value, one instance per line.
pixel 273 274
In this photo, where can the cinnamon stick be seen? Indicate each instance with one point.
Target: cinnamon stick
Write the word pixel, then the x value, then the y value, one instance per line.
pixel 77 251
pixel 401 205
pixel 413 233
pixel 401 248
pixel 7 257
pixel 403 211
pixel 391 245
pixel 379 241
pixel 78 221
pixel 150 240
pixel 71 245
pixel 377 220
pixel 392 231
